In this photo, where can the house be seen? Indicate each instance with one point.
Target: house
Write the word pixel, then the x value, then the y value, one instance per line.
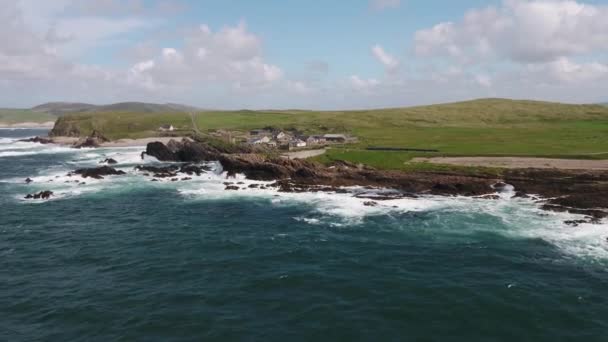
pixel 297 143
pixel 281 136
pixel 315 140
pixel 335 138
pixel 261 141
pixel 166 128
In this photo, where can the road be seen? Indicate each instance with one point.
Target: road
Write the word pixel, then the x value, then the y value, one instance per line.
pixel 194 125
pixel 303 154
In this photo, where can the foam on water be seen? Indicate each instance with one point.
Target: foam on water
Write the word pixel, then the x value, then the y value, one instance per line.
pixel 523 217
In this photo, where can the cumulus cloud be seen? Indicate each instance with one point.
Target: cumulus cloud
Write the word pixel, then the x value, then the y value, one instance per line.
pixel 229 56
pixel 361 84
pixel 519 30
pixel 389 62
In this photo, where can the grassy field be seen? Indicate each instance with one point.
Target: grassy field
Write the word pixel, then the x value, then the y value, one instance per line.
pixel 13 116
pixel 481 127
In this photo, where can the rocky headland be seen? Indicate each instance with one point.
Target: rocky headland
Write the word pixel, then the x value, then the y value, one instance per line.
pixel 580 192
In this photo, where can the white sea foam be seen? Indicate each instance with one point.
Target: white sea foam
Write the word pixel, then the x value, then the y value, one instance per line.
pixel 521 218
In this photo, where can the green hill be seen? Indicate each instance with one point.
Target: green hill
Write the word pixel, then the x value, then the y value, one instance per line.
pixel 61 108
pixel 479 127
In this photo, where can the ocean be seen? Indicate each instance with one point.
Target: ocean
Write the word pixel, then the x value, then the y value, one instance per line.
pixel 128 259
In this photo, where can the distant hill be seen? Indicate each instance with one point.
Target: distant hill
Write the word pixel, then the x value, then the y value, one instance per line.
pixel 12 116
pixel 61 108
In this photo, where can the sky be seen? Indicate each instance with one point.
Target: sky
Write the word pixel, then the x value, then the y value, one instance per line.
pixel 313 54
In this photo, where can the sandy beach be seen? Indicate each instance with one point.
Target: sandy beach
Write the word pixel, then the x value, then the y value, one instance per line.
pixel 32 125
pixel 118 143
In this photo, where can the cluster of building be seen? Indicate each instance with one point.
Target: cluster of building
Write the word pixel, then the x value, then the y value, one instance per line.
pixel 292 140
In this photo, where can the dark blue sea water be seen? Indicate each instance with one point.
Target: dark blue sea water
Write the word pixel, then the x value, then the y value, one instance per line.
pixel 126 259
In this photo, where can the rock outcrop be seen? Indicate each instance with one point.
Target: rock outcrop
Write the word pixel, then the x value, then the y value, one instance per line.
pixel 108 161
pixel 92 141
pixel 39 140
pixel 97 173
pixel 45 195
pixel 576 192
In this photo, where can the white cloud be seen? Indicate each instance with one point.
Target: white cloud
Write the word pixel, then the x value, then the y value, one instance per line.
pixel 230 56
pixel 384 4
pixel 361 84
pixel 389 62
pixel 521 31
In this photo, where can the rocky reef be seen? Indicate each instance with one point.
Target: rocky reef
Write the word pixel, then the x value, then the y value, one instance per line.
pixel 559 190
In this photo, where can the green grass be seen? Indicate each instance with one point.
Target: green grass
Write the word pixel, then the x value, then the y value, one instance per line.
pixel 394 160
pixel 481 127
pixel 13 116
pixel 125 125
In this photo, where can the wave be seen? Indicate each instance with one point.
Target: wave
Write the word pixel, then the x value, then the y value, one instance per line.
pixel 514 218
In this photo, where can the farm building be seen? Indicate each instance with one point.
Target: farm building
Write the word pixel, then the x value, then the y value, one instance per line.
pixel 166 128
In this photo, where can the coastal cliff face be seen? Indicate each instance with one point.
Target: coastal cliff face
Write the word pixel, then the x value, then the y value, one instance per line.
pixel 578 192
pixel 66 128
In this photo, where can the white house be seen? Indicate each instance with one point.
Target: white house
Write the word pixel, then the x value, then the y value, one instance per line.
pixel 260 141
pixel 281 136
pixel 166 128
pixel 298 143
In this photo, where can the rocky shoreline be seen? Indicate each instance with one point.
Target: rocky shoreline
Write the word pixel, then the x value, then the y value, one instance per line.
pixel 579 192
pixel 574 191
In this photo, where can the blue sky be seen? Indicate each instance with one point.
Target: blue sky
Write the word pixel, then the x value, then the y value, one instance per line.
pixel 305 54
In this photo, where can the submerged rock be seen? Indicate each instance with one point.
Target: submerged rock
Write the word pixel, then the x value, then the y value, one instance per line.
pixel 28 180
pixel 232 188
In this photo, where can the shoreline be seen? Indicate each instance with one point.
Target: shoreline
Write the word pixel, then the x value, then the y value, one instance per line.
pixel 27 125
pixel 576 191
pixel 580 191
pixel 141 142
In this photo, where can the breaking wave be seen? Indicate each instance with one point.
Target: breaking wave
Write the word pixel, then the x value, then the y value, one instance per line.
pixel 516 218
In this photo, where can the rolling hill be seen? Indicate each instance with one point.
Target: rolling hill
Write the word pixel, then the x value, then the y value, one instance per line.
pixel 61 108
pixel 49 112
pixel 479 127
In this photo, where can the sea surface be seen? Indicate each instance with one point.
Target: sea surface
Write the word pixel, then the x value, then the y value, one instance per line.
pixel 128 259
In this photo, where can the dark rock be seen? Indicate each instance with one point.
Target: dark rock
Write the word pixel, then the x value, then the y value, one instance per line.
pixel 41 195
pixel 370 204
pixel 97 173
pixel 160 171
pixel 161 152
pixel 232 188
pixel 575 223
pixel 39 140
pixel 108 161
pixel 28 180
pixel 489 197
pixel 92 141
pixel 186 179
pixel 254 186
pixel 191 169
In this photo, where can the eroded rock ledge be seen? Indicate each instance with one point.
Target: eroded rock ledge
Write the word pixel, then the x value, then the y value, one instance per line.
pixel 561 190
